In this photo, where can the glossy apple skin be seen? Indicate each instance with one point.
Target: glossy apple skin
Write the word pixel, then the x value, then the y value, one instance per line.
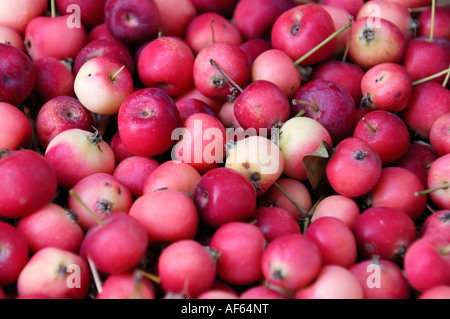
pixel 189 106
pixel 295 32
pixel 437 224
pixel 387 44
pixel 15 128
pixel 336 107
pixel 73 156
pixel 132 21
pixel 338 206
pixel 15 253
pixel 261 292
pixel 385 124
pixel 223 195
pixel 53 266
pixel 396 188
pixel 29 182
pixel 199 33
pixel 125 286
pixel 47 36
pixel 167 63
pixel 104 47
pixel 183 12
pixel 121 152
pixel 352 6
pixel 59 114
pixel 275 222
pixel 17 74
pixel 354 168
pixel 437 292
pixel 438 174
pixel 52 226
pixel 423 58
pixel 92 10
pixel 17 14
pixel 441 22
pixel 254 47
pixel 340 18
pixel 10 36
pixel 440 135
pixel 143 113
pixel 117 246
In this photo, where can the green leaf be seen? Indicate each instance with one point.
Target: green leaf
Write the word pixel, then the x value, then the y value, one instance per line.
pixel 315 164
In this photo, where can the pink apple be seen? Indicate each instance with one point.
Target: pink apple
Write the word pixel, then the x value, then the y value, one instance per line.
pixel 275 222
pixel 441 22
pixel 338 206
pixel 439 178
pixel 254 47
pixel 352 6
pixel 340 18
pixel 130 285
pixel 437 292
pixel 440 135
pixel 183 12
pixel 10 36
pixel 15 128
pixel 17 14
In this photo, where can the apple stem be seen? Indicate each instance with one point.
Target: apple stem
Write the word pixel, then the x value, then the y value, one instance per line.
pixel 445 251
pixel 433 9
pixel 324 42
pixel 427 166
pixel 347 45
pixel 4 152
pixel 152 277
pixel 376 260
pixel 79 200
pixel 53 8
pixel 213 35
pixel 305 2
pixel 445 185
pixel 304 212
pixel 314 107
pixel 374 130
pixel 95 275
pixel 137 278
pixel 233 88
pixel 300 114
pixel 114 76
pixel 444 84
pixel 431 77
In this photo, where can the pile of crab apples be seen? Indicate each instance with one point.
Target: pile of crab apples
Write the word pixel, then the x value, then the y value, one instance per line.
pixel 224 149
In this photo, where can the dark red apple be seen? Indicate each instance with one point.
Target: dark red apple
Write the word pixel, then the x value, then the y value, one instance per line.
pixel 91 11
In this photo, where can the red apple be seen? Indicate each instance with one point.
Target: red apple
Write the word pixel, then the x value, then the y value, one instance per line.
pixel 437 224
pixel 15 128
pixel 183 12
pixel 222 7
pixel 440 135
pixel 441 22
pixel 439 179
pixel 437 292
pixel 10 36
pixel 130 285
pixel 338 206
pixel 91 11
pixel 254 47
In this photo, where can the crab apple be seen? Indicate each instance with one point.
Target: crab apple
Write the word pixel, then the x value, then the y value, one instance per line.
pixel 328 103
pixel 167 215
pixel 62 275
pixel 102 84
pixel 16 14
pixel 255 19
pixel 347 74
pixel 261 292
pixel 117 245
pixel 275 222
pixel 222 7
pixel 441 22
pixel 208 28
pixel 429 101
pixel 373 43
pixel 104 47
pixel 17 74
pixel 299 137
pixel 277 67
pixel 52 226
pixel 423 58
pixel 440 135
pixel 377 127
pixel 202 144
pixel 295 189
pixel 384 231
pixel 103 194
pixel 146 121
pixel 416 159
pixel 241 246
pixel 54 37
pixel 217 294
pixel 133 21
pixel 437 292
pixel 172 175
pixel 381 279
pixel 101 32
pixel 340 18
pixel 186 267
pixel 14 253
pixel 437 224
pixel 300 29
pixel 15 128
pixel 75 154
pixel 28 182
pixel 53 79
pixel 337 206
pixel 194 93
pixel 129 285
pixel 183 12
pixel 411 4
pixel 439 182
pixel 167 63
pixel 258 159
pixel 352 6
pixel 392 11
pixel 222 195
pixel 254 47
pixel 396 188
pixel 262 105
pixel 188 106
pixel 291 261
pixel 59 114
pixel 227 117
pixel 133 171
pixel 387 86
pixel 354 168
pixel 121 152
pixel 10 36
pixel 213 63
pixel 333 282
pixel 92 11
pixel 424 254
